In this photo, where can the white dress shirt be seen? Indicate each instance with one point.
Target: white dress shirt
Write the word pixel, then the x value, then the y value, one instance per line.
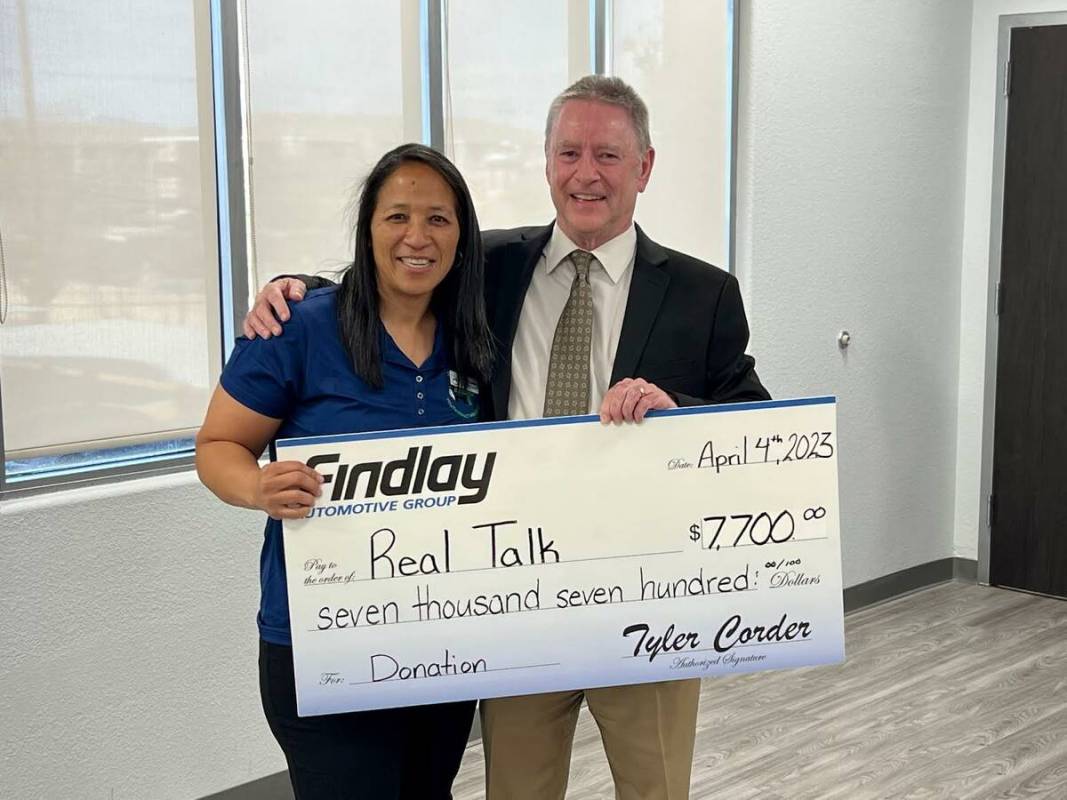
pixel 609 276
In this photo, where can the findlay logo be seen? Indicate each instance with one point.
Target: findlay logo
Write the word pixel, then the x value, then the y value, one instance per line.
pixel 412 475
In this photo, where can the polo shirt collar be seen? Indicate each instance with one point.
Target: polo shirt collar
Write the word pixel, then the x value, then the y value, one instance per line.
pixel 615 255
pixel 392 354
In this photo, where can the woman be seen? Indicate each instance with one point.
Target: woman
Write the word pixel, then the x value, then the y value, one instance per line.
pixel 374 353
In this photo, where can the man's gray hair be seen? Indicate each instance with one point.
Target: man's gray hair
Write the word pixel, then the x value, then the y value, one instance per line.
pixel 604 89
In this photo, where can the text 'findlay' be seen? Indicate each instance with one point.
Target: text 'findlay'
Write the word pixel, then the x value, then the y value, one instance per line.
pixel 416 473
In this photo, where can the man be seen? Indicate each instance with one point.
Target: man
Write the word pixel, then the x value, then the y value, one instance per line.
pixel 661 329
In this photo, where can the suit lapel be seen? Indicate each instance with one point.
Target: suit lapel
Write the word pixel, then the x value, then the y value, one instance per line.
pixel 647 288
pixel 517 264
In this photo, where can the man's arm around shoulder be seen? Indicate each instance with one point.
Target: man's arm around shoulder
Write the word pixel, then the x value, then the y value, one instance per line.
pixel 271 306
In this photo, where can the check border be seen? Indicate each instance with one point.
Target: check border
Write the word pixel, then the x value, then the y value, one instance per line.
pixel 436 430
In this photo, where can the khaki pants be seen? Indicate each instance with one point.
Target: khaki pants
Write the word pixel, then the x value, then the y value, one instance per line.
pixel 648 732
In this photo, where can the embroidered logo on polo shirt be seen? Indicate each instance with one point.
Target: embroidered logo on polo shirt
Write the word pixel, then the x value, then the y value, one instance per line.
pixel 462 396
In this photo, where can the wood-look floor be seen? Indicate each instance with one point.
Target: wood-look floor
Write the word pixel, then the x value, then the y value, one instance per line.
pixel 958 691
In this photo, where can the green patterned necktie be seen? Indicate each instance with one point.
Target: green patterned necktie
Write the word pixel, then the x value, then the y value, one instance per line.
pixel 567 387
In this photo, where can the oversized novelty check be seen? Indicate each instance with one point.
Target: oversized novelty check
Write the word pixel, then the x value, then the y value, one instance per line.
pixel 519 557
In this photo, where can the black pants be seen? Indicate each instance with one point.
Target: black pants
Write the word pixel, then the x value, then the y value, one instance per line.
pixel 392 754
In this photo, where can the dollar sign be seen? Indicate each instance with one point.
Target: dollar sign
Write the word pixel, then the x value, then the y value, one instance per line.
pixel 694 532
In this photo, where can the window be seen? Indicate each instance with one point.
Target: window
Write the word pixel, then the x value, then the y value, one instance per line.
pixel 326 98
pixel 679 57
pixel 160 161
pixel 108 222
pixel 495 117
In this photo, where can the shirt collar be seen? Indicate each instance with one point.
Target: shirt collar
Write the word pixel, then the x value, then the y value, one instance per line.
pixel 391 354
pixel 615 255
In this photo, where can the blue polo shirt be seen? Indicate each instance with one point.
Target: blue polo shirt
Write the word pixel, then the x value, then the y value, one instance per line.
pixel 306 379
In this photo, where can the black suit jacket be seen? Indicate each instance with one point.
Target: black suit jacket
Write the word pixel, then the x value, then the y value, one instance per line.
pixel 684 328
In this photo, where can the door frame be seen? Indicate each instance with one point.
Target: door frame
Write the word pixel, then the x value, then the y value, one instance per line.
pixel 1008 22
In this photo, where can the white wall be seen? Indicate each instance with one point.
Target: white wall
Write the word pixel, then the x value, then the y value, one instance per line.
pixel 128 645
pixel 851 158
pixel 975 288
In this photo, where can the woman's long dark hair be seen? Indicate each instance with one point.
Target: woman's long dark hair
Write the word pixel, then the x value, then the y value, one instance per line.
pixel 458 301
